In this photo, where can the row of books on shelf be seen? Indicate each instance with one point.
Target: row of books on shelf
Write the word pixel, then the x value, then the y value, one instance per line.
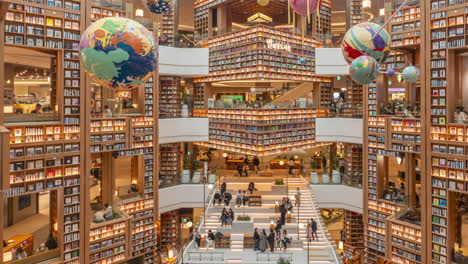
pixel 107 243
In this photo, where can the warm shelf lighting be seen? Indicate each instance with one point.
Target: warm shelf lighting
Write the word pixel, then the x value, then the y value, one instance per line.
pixel 259 18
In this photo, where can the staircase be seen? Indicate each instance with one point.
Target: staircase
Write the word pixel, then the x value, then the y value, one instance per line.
pixel 317 251
pixel 294 93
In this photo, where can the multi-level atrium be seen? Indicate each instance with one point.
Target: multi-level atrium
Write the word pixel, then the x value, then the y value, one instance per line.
pixel 234 131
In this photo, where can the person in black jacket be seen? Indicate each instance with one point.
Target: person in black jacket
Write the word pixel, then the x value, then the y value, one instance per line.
pixel 256 237
pixel 314 229
pixel 217 197
pixel 256 163
pixel 227 198
pixel 284 210
pixel 223 188
pixel 271 240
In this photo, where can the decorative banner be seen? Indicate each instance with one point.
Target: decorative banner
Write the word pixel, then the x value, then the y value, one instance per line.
pixel 410 74
pixel 366 39
pixel 118 53
pixel 300 6
pixel 364 70
pixel 159 6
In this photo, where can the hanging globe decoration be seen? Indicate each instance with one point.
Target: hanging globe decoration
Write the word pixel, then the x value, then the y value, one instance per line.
pixel 390 73
pixel 159 6
pixel 410 74
pixel 263 2
pixel 364 70
pixel 366 39
pixel 300 6
pixel 118 53
pixel 302 60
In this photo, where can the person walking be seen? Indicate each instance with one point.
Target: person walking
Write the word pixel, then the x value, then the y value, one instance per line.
pixel 256 163
pixel 278 224
pixel 218 197
pixel 297 196
pixel 309 232
pixel 263 241
pixel 291 164
pixel 239 198
pixel 314 229
pixel 271 241
pixel 197 238
pixel 278 239
pixel 256 237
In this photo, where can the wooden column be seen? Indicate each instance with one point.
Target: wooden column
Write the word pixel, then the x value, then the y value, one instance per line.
pixel 410 184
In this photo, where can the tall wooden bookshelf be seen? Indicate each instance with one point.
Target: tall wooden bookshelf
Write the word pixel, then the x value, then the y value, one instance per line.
pixel 170 166
pixel 170 97
pixel 353 164
pixel 354 232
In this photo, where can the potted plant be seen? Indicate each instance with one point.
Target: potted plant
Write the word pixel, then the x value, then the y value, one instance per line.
pixel 325 177
pixel 313 175
pixel 185 104
pixel 336 177
pixel 283 261
pixel 244 218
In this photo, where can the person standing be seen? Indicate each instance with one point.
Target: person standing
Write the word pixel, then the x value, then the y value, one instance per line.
pixel 231 216
pixel 341 163
pixel 239 198
pixel 284 210
pixel 245 198
pixel 291 164
pixel 223 188
pixel 271 241
pixel 224 217
pixel 314 229
pixel 263 241
pixel 256 237
pixel 297 196
pixel 245 169
pixel 324 162
pixel 256 163
pixel 197 238
pixel 285 239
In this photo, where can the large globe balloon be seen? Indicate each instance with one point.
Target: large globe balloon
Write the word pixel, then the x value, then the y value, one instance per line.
pixel 391 73
pixel 118 53
pixel 300 6
pixel 159 6
pixel 363 39
pixel 410 74
pixel 364 70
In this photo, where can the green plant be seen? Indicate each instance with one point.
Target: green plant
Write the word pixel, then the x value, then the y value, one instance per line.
pixel 279 182
pixel 243 218
pixel 335 163
pixel 283 261
pixel 314 164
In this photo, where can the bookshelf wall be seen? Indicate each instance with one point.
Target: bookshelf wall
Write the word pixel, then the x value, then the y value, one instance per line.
pixel 261 52
pixel 353 164
pixel 170 164
pixel 405 27
pixel 446 33
pixel 262 131
pixel 354 232
pixel 355 12
pixel 405 242
pixel 170 229
pixel 170 97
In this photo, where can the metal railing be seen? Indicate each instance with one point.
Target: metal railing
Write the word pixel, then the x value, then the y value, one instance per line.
pixel 320 221
pixel 274 256
pixel 211 256
pixel 185 249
